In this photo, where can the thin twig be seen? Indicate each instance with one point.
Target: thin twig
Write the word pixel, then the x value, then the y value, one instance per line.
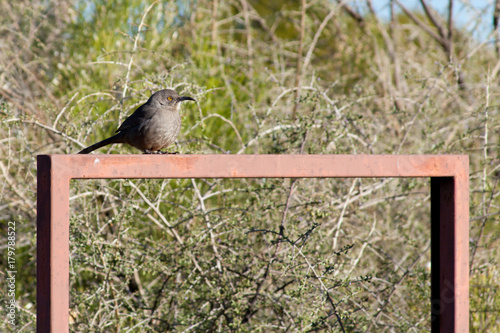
pixel 134 49
pixel 63 110
pixel 215 5
pixel 298 73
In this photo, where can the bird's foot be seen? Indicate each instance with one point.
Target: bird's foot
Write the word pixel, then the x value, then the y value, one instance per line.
pixel 159 152
pixel 167 153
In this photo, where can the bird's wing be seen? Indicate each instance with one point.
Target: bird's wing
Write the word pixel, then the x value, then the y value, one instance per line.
pixel 138 118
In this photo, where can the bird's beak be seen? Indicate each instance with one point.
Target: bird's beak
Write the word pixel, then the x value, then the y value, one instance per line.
pixel 186 98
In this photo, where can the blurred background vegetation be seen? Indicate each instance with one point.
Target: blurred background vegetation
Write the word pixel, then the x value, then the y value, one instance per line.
pixel 281 77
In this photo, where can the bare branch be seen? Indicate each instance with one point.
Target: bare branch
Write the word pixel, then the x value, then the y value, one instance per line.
pixel 496 16
pixel 352 13
pixel 450 20
pixel 431 14
pixel 370 7
pixel 298 74
pixel 316 38
pixel 249 44
pixel 421 24
pixel 214 20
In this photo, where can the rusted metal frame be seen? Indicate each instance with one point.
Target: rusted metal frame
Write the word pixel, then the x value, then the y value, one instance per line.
pixel 449 212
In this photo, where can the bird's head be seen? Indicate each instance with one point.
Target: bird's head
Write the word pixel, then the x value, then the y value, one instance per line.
pixel 168 97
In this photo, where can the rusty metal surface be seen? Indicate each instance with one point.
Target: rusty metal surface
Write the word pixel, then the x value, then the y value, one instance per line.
pixel 449 213
pixel 461 251
pixel 218 166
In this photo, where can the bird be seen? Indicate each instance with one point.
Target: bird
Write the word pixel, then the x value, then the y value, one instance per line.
pixel 152 127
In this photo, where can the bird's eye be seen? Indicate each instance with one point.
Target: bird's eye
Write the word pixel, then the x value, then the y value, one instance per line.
pixel 169 98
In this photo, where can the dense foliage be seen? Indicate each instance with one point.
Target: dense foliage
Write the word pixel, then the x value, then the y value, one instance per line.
pixel 270 255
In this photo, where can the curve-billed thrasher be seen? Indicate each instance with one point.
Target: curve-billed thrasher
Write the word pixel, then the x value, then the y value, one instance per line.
pixel 153 126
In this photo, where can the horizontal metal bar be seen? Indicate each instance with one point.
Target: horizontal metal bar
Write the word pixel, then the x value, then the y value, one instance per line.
pixel 259 166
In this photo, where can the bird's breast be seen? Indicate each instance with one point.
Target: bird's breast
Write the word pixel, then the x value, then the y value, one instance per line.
pixel 155 133
pixel 163 130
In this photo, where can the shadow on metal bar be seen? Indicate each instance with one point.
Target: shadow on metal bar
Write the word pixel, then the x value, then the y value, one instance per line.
pixel 449 212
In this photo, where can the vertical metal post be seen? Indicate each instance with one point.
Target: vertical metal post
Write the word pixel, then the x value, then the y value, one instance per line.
pixel 52 248
pixel 449 254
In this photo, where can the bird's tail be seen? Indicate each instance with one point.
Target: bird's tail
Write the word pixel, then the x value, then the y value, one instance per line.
pixel 118 138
